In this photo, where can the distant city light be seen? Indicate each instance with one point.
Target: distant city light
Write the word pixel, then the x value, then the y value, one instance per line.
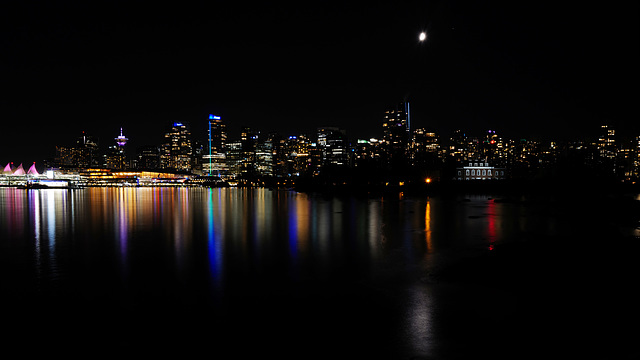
pixel 423 36
pixel 213 117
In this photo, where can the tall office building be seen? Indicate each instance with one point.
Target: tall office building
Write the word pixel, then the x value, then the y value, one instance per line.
pixel 424 148
pixel 83 155
pixel 264 157
pixel 606 142
pixel 148 157
pixel 217 134
pixel 333 142
pixel 396 126
pixel 397 119
pixel 176 152
pixel 214 158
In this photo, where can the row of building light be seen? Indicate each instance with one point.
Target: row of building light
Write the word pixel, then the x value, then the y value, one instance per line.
pixel 399 147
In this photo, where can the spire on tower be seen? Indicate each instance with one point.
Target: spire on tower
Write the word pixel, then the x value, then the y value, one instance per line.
pixel 121 140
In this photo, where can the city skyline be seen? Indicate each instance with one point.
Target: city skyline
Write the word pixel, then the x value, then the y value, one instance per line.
pixel 397 149
pixel 293 69
pixel 116 154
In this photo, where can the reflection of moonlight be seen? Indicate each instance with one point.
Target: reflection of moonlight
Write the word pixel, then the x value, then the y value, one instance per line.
pixel 423 36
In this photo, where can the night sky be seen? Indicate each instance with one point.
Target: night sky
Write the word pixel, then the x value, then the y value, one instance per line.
pixel 525 69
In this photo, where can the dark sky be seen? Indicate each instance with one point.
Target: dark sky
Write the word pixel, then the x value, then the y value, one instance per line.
pixel 525 69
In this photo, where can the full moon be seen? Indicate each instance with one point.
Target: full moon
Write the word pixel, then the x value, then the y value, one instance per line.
pixel 423 36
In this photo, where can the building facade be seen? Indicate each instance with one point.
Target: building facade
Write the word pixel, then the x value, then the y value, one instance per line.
pixel 176 152
pixel 480 170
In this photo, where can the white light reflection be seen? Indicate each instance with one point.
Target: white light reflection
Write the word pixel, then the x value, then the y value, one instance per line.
pixel 375 229
pixel 418 319
pixel 37 224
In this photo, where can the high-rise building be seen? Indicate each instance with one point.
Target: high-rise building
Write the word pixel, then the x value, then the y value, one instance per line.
pixel 264 157
pixel 606 142
pixel 297 150
pixel 233 150
pixel 333 142
pixel 396 119
pixel 248 140
pixel 83 154
pixel 176 152
pixel 148 157
pixel 213 160
pixel 217 134
pixel 396 128
pixel 424 148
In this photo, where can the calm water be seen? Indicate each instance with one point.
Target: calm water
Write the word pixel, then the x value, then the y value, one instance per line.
pixel 259 272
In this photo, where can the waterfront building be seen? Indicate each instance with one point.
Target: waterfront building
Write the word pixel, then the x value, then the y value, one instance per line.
pixel 480 170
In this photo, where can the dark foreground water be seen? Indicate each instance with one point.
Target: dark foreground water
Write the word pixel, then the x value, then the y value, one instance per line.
pixel 235 273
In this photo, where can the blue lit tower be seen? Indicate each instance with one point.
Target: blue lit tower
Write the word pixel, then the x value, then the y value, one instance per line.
pixel 217 134
pixel 217 140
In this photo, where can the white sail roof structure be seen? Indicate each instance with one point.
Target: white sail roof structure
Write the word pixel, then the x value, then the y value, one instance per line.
pixel 7 169
pixel 33 170
pixel 19 171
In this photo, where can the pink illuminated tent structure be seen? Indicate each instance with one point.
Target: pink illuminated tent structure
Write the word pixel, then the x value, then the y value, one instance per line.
pixel 33 170
pixel 19 171
pixel 7 170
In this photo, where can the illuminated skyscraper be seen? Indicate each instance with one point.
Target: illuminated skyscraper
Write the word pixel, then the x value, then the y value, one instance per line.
pixel 214 159
pixel 396 126
pixel 217 134
pixel 83 155
pixel 333 142
pixel 176 152
pixel 607 142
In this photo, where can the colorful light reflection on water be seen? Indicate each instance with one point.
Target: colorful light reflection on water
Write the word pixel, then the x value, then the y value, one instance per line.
pixel 159 251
